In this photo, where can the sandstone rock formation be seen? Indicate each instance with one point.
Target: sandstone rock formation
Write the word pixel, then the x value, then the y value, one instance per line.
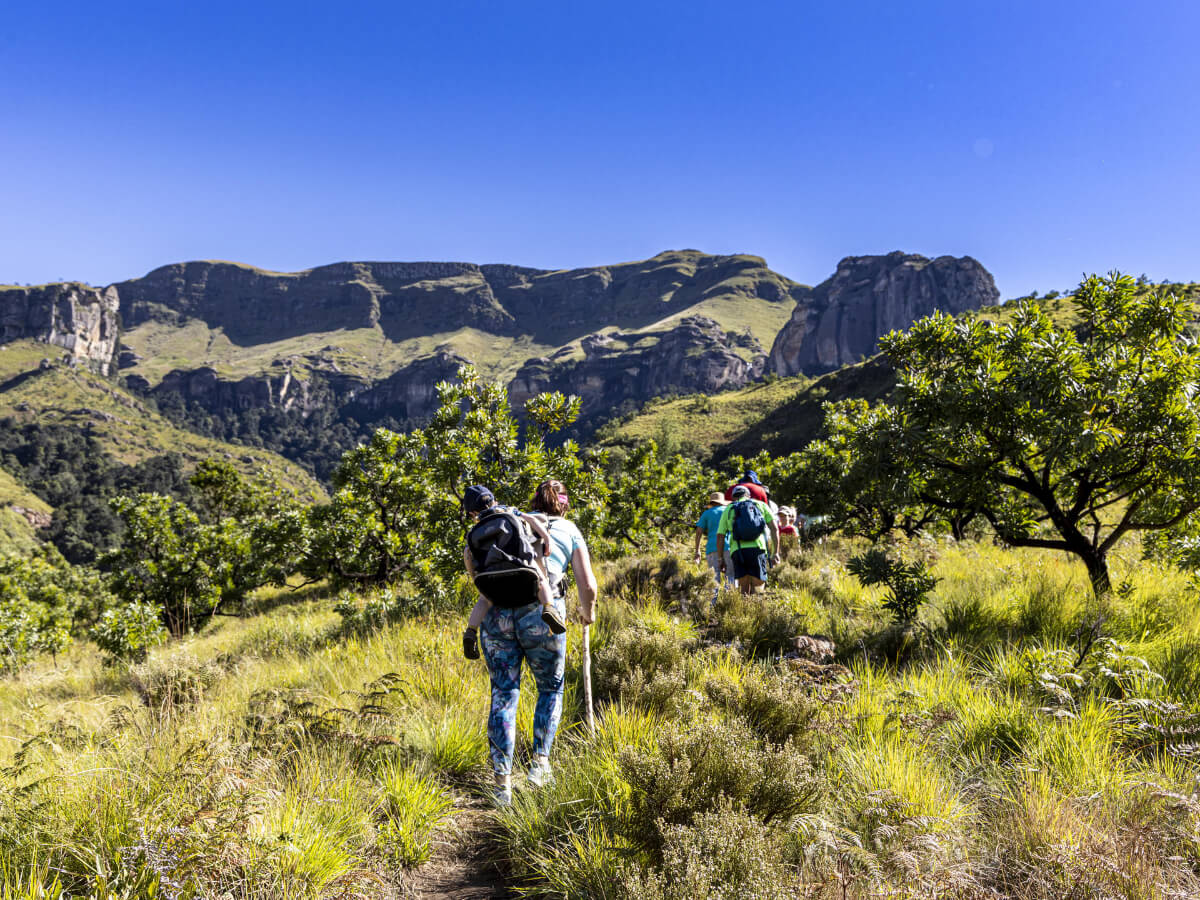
pixel 82 320
pixel 841 320
pixel 409 300
pixel 693 356
pixel 300 384
pixel 410 393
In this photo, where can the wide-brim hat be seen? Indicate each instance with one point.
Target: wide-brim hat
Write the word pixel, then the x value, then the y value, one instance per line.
pixel 716 497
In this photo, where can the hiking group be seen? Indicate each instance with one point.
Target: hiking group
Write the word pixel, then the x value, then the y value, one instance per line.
pixel 518 561
pixel 744 532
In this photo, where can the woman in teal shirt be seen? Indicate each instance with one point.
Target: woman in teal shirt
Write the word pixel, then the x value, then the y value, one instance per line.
pixel 706 527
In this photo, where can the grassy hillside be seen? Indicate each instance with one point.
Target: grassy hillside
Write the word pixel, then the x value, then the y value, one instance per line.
pixel 362 351
pixel 17 533
pixel 785 415
pixel 126 427
pixel 278 757
pixel 778 416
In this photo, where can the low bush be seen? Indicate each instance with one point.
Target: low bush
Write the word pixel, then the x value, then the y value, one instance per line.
pixel 725 854
pixel 706 762
pixel 172 683
pixel 641 665
pixel 775 703
pixel 757 623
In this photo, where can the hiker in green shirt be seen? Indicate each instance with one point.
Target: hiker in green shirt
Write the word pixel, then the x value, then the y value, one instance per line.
pixel 744 527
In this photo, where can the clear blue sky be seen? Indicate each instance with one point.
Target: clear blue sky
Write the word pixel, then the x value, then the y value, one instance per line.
pixel 1044 138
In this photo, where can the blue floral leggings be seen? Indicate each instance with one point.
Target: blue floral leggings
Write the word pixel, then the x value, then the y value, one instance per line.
pixel 508 636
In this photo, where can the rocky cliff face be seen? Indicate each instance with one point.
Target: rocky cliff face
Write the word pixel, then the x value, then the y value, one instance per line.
pixel 841 320
pixel 285 386
pixel 694 356
pixel 82 320
pixel 409 300
pixel 409 393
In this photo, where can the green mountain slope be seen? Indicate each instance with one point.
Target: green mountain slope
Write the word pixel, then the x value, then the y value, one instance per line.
pixel 19 510
pixel 126 426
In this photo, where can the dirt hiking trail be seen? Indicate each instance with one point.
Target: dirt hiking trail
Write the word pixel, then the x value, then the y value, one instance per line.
pixel 462 866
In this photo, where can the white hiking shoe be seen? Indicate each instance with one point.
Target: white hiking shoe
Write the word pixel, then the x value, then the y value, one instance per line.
pixel 540 773
pixel 502 796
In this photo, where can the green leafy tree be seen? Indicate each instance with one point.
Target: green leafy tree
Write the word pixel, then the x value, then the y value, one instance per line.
pixel 654 495
pixel 1061 438
pixel 44 602
pixel 854 477
pixel 167 560
pixel 396 512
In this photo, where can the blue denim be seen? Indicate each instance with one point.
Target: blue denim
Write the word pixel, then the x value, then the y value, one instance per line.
pixel 507 637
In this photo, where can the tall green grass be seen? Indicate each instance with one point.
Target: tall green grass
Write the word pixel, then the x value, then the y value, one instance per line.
pixel 1027 742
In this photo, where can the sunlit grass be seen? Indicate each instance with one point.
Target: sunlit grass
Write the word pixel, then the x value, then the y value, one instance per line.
pixel 956 768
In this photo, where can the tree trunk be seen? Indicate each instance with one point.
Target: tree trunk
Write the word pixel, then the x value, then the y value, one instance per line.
pixel 1097 568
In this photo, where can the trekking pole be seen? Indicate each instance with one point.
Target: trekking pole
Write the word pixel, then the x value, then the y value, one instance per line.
pixel 589 714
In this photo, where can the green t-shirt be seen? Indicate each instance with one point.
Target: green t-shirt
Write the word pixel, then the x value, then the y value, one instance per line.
pixel 726 527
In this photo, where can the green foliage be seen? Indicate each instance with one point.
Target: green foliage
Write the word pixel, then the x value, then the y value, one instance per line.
pixel 908 584
pixel 654 496
pixel 127 632
pixel 1060 439
pixel 173 560
pixel 396 511
pixel 43 602
pixel 168 560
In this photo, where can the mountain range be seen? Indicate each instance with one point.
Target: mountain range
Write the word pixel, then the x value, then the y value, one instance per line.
pixel 219 358
pixel 371 339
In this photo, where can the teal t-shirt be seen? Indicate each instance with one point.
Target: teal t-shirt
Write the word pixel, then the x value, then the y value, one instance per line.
pixel 726 527
pixel 565 539
pixel 708 522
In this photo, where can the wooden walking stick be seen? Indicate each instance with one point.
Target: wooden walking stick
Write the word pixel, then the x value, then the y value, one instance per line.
pixel 589 713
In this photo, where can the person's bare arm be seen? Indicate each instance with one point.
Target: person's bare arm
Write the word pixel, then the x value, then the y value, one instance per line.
pixel 721 551
pixel 469 562
pixel 585 580
pixel 696 549
pixel 775 536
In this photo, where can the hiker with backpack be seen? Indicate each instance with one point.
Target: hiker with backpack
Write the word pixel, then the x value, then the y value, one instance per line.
pixel 513 629
pixel 495 555
pixel 745 526
pixel 749 480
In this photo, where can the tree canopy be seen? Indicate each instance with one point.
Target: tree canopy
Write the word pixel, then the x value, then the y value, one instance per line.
pixel 1063 438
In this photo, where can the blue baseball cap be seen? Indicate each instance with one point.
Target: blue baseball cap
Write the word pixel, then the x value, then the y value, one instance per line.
pixel 477 498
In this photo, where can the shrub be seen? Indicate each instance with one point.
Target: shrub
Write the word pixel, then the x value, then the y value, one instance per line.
pixel 774 703
pixel 725 854
pixel 908 584
pixel 759 623
pixel 696 767
pixel 178 681
pixel 127 632
pixel 641 666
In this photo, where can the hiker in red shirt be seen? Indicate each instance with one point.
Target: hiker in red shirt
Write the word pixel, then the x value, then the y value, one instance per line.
pixel 752 484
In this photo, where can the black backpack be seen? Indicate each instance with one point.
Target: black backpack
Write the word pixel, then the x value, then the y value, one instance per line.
pixel 748 523
pixel 506 569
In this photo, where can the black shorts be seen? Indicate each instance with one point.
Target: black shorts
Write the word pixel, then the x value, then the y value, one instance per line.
pixel 750 561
